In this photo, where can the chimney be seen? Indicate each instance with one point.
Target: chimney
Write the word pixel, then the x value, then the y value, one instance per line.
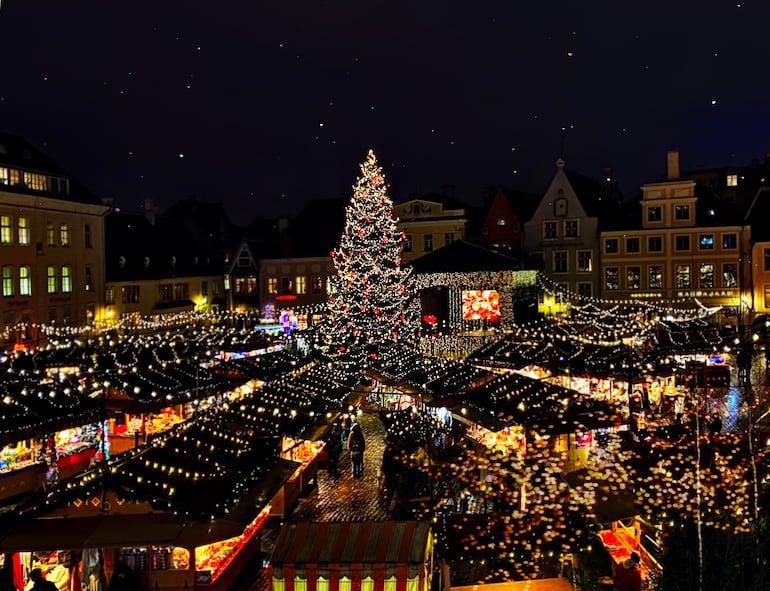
pixel 150 209
pixel 673 165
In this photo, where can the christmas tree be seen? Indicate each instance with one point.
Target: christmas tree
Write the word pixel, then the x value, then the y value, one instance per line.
pixel 369 303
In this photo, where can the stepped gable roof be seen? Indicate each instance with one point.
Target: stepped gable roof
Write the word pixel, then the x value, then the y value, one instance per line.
pixel 316 229
pixel 16 152
pixel 137 249
pixel 465 256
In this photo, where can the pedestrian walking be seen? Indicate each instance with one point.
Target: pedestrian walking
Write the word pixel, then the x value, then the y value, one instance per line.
pixel 333 448
pixel 356 447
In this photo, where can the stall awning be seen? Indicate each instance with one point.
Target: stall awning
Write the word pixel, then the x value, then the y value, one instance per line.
pixel 76 533
pixel 380 550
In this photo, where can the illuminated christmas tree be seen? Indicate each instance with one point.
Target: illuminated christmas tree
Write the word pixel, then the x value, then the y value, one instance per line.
pixel 369 303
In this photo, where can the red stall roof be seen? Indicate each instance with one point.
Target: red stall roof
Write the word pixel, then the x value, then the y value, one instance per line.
pixel 370 548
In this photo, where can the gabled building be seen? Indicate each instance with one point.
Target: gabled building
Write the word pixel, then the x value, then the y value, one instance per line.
pixel 504 216
pixel 563 233
pixel 677 244
pixel 51 246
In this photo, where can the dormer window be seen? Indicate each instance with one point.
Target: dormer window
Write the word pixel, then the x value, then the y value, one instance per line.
pixel 500 221
pixel 121 262
pixel 560 207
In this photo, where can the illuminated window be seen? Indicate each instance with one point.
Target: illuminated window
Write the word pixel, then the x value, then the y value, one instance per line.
pixel 318 285
pixel 51 279
pixel 732 180
pixel 632 245
pixel 633 277
pixel 50 234
pixel 570 228
pixel 64 235
pixel 251 285
pixel 272 285
pixel 706 275
pixel 584 261
pixel 682 276
pixel 66 279
pixel 654 213
pixel 729 241
pixel 767 296
pixel 287 285
pixel 5 230
pixel 240 285
pixel 7 281
pixel 730 275
pixel 4 180
pixel 500 221
pixel 25 280
pixel 706 241
pixel 549 230
pixel 35 181
pixel 13 176
pixel 611 246
pixel 681 212
pixel 89 282
pixel 654 244
pixel 427 243
pixel 560 261
pixel 24 231
pixel 301 284
pixel 682 242
pixel 611 278
pixel 655 277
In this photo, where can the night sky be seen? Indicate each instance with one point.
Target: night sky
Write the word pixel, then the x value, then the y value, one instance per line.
pixel 265 105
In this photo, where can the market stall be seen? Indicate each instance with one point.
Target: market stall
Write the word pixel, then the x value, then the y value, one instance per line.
pixel 348 556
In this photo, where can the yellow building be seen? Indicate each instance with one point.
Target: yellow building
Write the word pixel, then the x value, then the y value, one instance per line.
pixel 428 223
pixel 687 247
pixel 51 245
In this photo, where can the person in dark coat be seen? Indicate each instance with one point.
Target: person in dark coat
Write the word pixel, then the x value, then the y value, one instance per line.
pixel 356 447
pixel 628 574
pixel 333 448
pixel 124 578
pixel 38 581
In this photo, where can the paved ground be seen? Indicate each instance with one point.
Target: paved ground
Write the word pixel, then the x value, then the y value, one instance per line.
pixel 341 498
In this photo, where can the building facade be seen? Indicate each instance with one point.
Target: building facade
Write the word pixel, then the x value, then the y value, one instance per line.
pixel 429 223
pixel 51 245
pixel 686 246
pixel 563 235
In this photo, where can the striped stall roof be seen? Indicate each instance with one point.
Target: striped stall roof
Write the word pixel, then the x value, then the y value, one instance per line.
pixel 351 549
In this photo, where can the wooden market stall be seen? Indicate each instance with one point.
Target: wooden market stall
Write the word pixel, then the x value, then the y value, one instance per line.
pixel 349 556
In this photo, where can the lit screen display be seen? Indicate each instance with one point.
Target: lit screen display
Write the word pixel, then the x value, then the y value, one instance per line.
pixel 481 304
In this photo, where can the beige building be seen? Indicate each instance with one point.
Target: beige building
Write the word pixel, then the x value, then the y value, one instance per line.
pixel 563 233
pixel 288 284
pixel 51 246
pixel 681 245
